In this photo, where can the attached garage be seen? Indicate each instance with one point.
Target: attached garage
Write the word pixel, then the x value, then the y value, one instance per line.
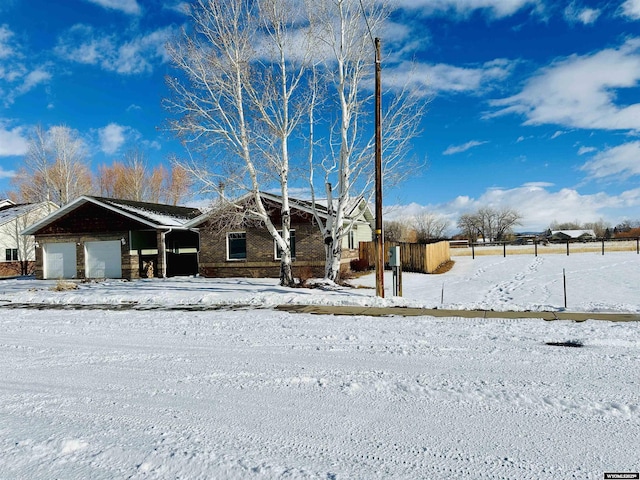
pixel 59 260
pixel 115 238
pixel 103 259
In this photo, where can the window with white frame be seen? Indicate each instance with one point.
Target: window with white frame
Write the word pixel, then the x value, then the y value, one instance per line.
pixel 11 254
pixel 236 246
pixel 278 251
pixel 352 239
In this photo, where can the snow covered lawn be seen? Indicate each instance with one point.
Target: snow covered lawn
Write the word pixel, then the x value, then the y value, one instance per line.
pixel 257 393
pixel 595 283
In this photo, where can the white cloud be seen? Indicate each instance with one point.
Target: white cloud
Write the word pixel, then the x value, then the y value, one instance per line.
pixel 462 148
pixel 557 134
pixel 12 142
pixel 585 150
pixel 448 78
pixel 6 50
pixel 578 14
pixel 178 6
pixel 579 91
pixel 622 161
pixel 17 77
pixel 130 7
pixel 33 79
pixel 631 9
pixel 538 204
pixel 463 8
pixel 112 137
pixel 83 44
pixel 7 173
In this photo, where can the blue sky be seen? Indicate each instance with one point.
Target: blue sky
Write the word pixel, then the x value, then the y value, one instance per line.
pixel 534 104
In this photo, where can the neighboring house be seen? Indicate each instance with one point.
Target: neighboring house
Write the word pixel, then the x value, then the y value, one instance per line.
pixel 246 249
pixel 94 237
pixel 17 252
pixel 572 235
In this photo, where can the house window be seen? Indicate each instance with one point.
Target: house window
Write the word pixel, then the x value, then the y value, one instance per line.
pixel 352 239
pixel 292 239
pixel 236 246
pixel 11 254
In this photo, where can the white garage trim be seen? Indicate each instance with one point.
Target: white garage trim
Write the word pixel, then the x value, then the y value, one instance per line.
pixel 59 260
pixel 103 259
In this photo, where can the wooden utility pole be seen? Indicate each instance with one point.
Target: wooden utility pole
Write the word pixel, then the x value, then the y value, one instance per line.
pixel 378 233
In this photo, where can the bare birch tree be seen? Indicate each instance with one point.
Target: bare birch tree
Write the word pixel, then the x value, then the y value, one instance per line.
pixel 236 102
pixel 55 167
pixel 344 31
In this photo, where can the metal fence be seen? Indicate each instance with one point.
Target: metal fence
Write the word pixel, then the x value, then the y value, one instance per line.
pixel 538 248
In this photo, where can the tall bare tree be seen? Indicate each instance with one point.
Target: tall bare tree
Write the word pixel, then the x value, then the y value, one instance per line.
pixel 430 226
pixel 343 32
pixel 55 167
pixel 256 73
pixel 236 102
pixel 177 184
pixel 489 223
pixel 132 179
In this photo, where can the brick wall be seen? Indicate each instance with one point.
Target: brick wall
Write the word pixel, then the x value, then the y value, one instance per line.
pixel 12 269
pixel 261 261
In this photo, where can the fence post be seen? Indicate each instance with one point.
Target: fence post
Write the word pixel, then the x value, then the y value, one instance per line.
pixel 602 245
pixel 473 252
pixel 504 249
pixel 638 245
pixel 564 283
pixel 535 248
pixel 567 248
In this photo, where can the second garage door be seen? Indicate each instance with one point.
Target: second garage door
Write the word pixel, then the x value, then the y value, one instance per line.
pixel 103 259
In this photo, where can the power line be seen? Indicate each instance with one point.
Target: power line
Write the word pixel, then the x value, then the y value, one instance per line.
pixel 367 22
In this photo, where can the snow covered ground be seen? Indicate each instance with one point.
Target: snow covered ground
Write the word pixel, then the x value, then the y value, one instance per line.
pixel 258 393
pixel 595 283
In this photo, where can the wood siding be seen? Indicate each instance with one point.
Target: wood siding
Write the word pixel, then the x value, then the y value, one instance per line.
pixel 90 218
pixel 415 257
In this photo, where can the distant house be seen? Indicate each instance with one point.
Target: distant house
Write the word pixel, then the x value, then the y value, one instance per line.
pixel 246 249
pixel 572 235
pixel 94 237
pixel 17 252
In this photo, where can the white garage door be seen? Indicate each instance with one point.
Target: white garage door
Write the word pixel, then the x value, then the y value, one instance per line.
pixel 103 259
pixel 59 260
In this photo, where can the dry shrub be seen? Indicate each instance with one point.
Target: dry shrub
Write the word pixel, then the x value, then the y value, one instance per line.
pixel 444 267
pixel 305 273
pixel 359 265
pixel 63 285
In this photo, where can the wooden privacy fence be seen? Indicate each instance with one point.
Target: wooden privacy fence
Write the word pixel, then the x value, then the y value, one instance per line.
pixel 415 257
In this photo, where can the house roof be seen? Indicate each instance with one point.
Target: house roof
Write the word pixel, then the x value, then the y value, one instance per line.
pixel 573 233
pixel 10 212
pixel 154 215
pixel 6 203
pixel 305 206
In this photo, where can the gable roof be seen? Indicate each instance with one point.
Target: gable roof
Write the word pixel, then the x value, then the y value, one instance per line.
pixel 352 210
pixel 13 211
pixel 6 203
pixel 154 215
pixel 573 233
